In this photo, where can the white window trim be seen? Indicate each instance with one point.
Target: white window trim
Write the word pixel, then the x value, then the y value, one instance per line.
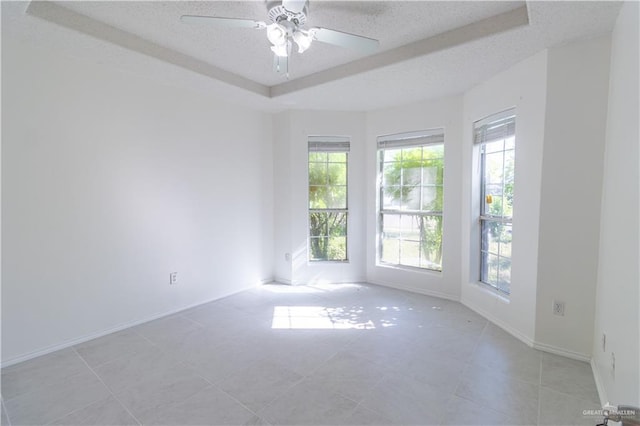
pixel 495 127
pixel 394 141
pixel 329 144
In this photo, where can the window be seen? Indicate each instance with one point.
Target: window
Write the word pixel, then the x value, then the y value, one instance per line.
pixel 410 209
pixel 495 137
pixel 328 166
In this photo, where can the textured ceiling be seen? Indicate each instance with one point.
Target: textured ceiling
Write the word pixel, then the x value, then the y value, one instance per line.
pixel 241 57
pixel 246 51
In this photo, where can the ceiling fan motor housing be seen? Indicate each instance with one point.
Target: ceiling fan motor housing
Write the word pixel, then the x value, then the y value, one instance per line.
pixel 277 12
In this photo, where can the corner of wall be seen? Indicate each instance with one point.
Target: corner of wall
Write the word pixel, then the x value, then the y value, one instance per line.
pixel 522 86
pixel 617 309
pixel 577 93
pixel 602 391
pixel 282 196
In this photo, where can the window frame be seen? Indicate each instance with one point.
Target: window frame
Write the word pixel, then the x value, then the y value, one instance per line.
pixel 409 140
pixel 329 145
pixel 498 127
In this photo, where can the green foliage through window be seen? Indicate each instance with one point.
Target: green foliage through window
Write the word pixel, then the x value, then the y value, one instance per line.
pixel 498 160
pixel 411 198
pixel 328 236
pixel 328 206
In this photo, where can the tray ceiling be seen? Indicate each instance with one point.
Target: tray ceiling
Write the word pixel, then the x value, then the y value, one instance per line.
pixel 427 48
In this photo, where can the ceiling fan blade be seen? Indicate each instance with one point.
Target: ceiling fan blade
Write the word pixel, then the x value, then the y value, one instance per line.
pixel 351 41
pixel 295 6
pixel 222 22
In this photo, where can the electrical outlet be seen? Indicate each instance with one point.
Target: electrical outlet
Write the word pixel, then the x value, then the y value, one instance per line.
pixel 558 308
pixel 173 278
pixel 604 342
pixel 287 257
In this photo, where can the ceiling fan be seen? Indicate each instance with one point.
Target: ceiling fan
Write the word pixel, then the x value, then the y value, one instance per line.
pixel 288 18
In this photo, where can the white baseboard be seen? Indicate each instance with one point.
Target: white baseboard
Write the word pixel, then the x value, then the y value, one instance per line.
pixel 101 333
pixel 562 352
pixel 323 281
pixel 520 336
pixel 378 283
pixel 512 331
pixel 602 393
pixel 415 290
pixel 529 341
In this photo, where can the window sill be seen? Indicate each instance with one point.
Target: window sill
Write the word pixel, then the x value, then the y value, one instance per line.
pixel 487 289
pixel 409 269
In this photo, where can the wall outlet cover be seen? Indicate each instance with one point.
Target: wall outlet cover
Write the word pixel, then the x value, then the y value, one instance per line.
pixel 558 308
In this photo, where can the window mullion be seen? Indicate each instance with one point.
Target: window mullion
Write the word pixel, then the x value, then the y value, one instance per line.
pixel 328 226
pixel 402 241
pixel 497 139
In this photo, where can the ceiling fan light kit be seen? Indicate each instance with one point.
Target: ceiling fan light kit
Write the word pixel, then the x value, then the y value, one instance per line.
pixel 303 39
pixel 282 50
pixel 276 34
pixel 287 19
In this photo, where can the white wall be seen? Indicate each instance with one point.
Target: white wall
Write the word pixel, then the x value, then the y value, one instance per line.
pixel 577 90
pixel 618 293
pixel 283 185
pixel 446 113
pixel 110 182
pixel 291 165
pixel 523 86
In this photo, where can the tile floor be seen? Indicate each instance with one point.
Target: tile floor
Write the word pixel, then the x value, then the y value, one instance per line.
pixel 319 355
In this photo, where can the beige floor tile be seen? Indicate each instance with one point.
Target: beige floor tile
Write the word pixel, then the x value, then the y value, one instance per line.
pixel 459 412
pixel 113 346
pixel 569 376
pixel 209 406
pixel 42 371
pixel 105 412
pixel 558 409
pixel 169 386
pixel 406 401
pixel 166 332
pixel 128 371
pixel 507 355
pixel 227 362
pixel 515 398
pixel 259 384
pixel 309 404
pixel 48 403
